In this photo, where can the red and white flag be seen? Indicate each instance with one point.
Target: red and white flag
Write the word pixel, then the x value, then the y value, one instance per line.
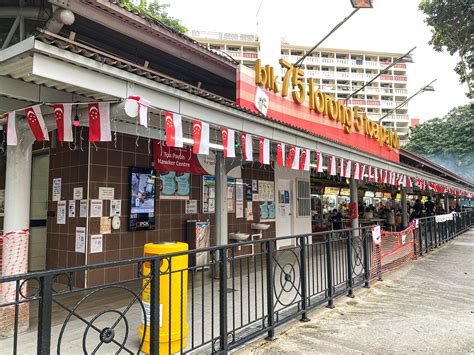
pixel 341 167
pixel 304 159
pixel 228 140
pixel 63 115
pixel 281 154
pixel 36 122
pixel 362 171
pixel 404 181
pixel 99 122
pixel 264 144
pixel 10 132
pixel 369 173
pixel 137 106
pixel 376 175
pixel 356 172
pixel 409 183
pixel 394 177
pixel 247 146
pixel 385 174
pixel 319 162
pixel 347 170
pixel 332 166
pixel 174 130
pixel 200 137
pixel 293 158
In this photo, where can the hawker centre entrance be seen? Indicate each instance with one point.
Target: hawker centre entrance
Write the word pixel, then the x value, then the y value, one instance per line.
pixel 146 160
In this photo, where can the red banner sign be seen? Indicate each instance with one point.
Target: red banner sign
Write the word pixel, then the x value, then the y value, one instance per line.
pixel 180 160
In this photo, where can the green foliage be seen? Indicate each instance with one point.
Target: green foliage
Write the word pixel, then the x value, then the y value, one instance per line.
pixel 154 10
pixel 448 141
pixel 452 28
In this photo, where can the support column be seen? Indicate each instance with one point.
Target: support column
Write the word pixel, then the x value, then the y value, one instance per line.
pixel 355 199
pixel 17 217
pixel 404 207
pixel 446 202
pixel 221 200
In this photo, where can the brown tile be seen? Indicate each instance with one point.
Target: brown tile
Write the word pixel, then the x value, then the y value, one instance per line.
pixel 140 239
pixel 114 157
pixel 126 272
pixel 128 159
pixel 112 242
pixel 95 258
pixel 95 277
pixel 126 254
pixel 126 240
pixel 99 173
pixel 112 255
pixel 114 174
pixel 112 275
pixel 99 156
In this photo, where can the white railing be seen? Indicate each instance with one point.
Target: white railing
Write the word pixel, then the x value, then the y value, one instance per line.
pixel 401 91
pixel 387 103
pixel 342 61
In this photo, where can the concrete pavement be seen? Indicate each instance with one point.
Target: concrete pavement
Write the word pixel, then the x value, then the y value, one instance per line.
pixel 425 307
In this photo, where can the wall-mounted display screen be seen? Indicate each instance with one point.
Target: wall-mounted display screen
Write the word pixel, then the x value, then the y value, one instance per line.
pixel 142 199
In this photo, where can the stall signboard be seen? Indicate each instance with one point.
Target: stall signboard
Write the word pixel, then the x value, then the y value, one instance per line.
pixel 387 195
pixel 345 192
pixel 328 190
pixel 379 194
pixel 369 194
pixel 308 108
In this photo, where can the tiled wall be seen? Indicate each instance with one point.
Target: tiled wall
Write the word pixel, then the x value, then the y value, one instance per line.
pixel 109 167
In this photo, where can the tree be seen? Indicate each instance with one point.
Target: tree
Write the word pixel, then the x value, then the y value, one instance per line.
pixel 448 141
pixel 452 27
pixel 155 10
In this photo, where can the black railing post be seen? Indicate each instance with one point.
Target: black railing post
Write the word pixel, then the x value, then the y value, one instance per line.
pixel 155 306
pixel 223 300
pixel 329 271
pixel 350 293
pixel 270 304
pixel 366 258
pixel 44 315
pixel 304 292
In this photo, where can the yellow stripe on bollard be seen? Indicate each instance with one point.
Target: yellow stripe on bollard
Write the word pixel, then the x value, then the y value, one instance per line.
pixel 178 283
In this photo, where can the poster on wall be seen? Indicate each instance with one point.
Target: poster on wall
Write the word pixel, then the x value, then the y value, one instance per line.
pixel 71 208
pixel 239 190
pixel 191 207
pixel 142 199
pixel 80 246
pixel 96 208
pixel 115 208
pixel 174 186
pixel 249 211
pixel 105 225
pixel 77 193
pixel 83 209
pixel 56 189
pixel 96 243
pixel 61 212
pixel 2 202
pixel 266 197
pixel 239 209
pixel 209 194
pixel 106 193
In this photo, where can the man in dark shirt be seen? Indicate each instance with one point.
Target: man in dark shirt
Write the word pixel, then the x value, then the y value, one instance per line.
pixel 429 206
pixel 336 219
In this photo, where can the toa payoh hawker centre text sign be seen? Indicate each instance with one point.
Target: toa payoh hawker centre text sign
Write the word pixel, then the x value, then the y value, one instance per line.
pixel 308 108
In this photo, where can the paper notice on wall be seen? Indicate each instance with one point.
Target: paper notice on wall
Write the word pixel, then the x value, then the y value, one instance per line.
pixel 56 189
pixel 239 209
pixel 106 193
pixel 191 206
pixel 249 211
pixel 376 234
pixel 77 193
pixel 61 213
pixel 96 208
pixel 83 209
pixel 115 208
pixel 80 240
pixel 71 208
pixel 239 190
pixel 96 243
pixel 105 225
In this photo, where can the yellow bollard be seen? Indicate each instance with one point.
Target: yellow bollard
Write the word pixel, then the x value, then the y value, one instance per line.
pixel 169 328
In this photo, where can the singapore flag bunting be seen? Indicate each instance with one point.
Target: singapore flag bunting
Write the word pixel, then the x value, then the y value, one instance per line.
pixel 281 154
pixel 304 159
pixel 12 138
pixel 290 158
pixel 247 148
pixel 174 130
pixel 200 137
pixel 228 140
pixel 296 158
pixel 362 171
pixel 332 166
pixel 264 144
pixel 99 122
pixel 63 114
pixel 36 122
pixel 347 172
pixel 356 172
pixel 319 162
pixel 341 166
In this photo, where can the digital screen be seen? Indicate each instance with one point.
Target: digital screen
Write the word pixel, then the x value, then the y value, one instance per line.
pixel 142 199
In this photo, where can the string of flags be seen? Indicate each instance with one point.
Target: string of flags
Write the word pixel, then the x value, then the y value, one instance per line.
pixel 294 157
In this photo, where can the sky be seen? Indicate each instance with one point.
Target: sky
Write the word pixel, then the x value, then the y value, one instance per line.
pixel 391 26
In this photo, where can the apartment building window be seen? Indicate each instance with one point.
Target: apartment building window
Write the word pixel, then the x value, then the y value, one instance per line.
pixel 213 46
pixel 303 198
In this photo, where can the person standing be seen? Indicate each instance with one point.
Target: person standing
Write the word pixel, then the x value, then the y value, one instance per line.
pixel 429 207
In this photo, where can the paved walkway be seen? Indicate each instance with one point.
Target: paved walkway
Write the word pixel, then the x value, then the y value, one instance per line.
pixel 426 307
